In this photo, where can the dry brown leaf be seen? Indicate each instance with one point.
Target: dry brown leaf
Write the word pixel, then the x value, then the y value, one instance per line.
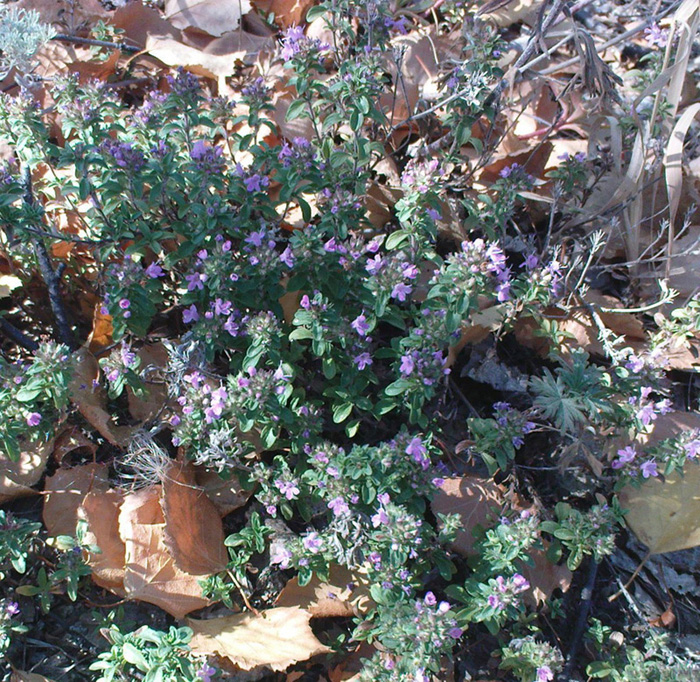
pixel 91 400
pixel 8 283
pixel 544 577
pixel 101 512
pixel 101 334
pixel 478 501
pixel 138 22
pixel 193 531
pixel 226 494
pixel 239 43
pixel 215 17
pixel 581 327
pixel 665 515
pixel 16 478
pixel 666 620
pixel 66 490
pixel 151 574
pixel 349 668
pixel 287 12
pixel 276 638
pixel 85 12
pixel 69 440
pixel 23 676
pixel 147 406
pixel 175 53
pixel 345 594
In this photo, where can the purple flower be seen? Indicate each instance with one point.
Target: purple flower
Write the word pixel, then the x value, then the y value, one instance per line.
pixel 407 365
pixel 256 182
pixel 692 449
pixel 33 419
pixel 400 291
pixel 409 270
pixel 338 506
pixel 12 608
pixel 374 265
pixel 432 213
pixel 363 360
pixel 124 303
pixel 520 584
pixel 509 170
pixel 430 599
pixel 635 364
pixel 649 469
pixel 503 291
pixel 195 281
pixel 655 35
pixel 222 307
pixel 381 518
pixel 313 543
pixel 154 271
pixel 418 452
pixel 287 257
pixel 646 414
pixel 190 314
pixel 288 488
pixel 360 325
pixel 544 674
pixel 455 632
pixel 205 672
pixel 280 554
pixel 494 602
pixel 531 261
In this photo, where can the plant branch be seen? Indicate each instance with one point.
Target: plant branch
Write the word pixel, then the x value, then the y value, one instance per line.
pixel 64 38
pixel 51 277
pixel 19 337
pixel 581 620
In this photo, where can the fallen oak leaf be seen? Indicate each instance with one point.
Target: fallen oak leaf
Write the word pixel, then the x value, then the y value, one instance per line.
pixel 101 512
pixel 214 17
pixel 151 574
pixel 65 491
pixel 665 515
pixel 193 532
pixel 16 478
pixel 276 638
pixel 344 594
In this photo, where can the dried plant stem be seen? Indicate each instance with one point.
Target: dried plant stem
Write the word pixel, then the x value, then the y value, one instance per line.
pixel 19 337
pixel 123 47
pixel 51 277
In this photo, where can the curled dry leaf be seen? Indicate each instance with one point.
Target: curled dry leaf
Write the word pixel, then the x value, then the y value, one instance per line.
pixel 193 532
pixel 23 676
pixel 214 17
pixel 286 12
pixel 16 478
pixel 226 494
pixel 143 407
pixel 101 334
pixel 66 490
pixel 91 399
pixel 69 440
pixel 478 501
pixel 665 515
pixel 276 638
pixel 8 283
pixel 101 512
pixel 345 594
pixel 151 574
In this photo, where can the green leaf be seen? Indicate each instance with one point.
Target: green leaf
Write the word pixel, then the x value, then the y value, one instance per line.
pixel 135 657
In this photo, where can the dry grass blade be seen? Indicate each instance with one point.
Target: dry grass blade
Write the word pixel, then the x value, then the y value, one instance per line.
pixel 673 168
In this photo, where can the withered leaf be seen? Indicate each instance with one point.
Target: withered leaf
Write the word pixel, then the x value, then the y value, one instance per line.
pixel 276 638
pixel 66 490
pixel 151 574
pixel 193 531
